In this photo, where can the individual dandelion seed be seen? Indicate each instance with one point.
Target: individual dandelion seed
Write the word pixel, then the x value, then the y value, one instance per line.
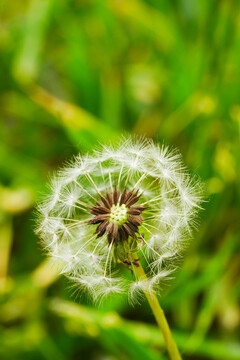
pixel 124 206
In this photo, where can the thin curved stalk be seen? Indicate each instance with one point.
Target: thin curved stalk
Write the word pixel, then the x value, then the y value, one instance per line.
pixel 159 316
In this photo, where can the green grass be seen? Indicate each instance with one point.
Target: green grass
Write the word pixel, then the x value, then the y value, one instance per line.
pixel 74 73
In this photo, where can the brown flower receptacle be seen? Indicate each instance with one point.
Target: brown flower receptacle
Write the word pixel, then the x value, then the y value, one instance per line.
pixel 117 215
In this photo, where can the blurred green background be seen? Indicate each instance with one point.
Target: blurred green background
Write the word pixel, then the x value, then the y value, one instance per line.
pixel 77 72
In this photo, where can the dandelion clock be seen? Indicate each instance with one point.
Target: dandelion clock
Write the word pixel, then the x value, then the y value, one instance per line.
pixel 116 220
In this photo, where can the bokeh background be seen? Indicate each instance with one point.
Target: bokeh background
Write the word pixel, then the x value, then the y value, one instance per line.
pixel 77 72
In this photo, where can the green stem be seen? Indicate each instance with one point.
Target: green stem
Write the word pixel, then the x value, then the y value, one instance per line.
pixel 159 316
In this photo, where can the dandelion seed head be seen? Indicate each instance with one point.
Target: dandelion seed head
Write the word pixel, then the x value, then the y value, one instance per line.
pixel 126 198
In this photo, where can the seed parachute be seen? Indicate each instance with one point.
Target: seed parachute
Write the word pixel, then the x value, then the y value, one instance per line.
pixel 123 204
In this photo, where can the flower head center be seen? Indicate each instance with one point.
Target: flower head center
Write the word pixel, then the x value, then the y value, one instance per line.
pixel 118 214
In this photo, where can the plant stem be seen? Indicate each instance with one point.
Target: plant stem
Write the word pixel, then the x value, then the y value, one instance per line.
pixel 159 316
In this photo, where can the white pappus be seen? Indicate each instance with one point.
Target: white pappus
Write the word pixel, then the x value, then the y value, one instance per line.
pixel 126 204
